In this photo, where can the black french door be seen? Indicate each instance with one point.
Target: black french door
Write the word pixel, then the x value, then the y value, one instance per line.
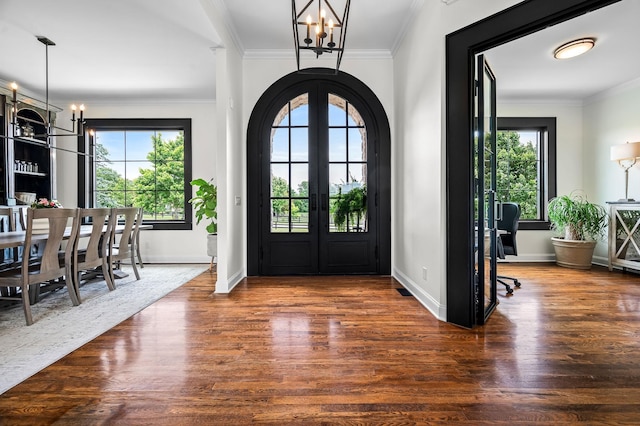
pixel 318 197
pixel 487 208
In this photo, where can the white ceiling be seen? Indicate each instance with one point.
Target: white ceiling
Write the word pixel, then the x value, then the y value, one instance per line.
pixel 526 69
pixel 109 49
pixel 114 50
pixel 266 24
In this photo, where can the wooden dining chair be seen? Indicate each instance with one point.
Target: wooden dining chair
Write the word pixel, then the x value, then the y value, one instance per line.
pixel 125 246
pixel 52 264
pixel 11 220
pixel 136 231
pixel 94 252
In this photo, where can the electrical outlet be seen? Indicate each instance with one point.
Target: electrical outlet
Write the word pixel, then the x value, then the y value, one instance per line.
pixel 424 273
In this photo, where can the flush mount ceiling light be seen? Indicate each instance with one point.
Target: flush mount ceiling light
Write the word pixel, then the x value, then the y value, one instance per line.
pixel 574 48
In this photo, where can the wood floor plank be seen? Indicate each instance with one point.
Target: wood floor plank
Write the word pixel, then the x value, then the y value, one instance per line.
pixel 563 349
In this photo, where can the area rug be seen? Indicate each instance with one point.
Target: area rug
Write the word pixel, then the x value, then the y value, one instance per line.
pixel 60 327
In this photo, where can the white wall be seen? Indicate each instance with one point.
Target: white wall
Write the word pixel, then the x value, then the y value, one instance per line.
pixel 232 171
pixel 419 212
pixel 536 245
pixel 260 73
pixel 229 153
pixel 610 118
pixel 585 133
pixel 218 152
pixel 157 246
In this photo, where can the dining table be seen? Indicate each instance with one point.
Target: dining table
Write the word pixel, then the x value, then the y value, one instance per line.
pixel 14 239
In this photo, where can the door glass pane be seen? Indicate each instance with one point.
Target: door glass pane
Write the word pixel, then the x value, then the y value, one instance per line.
pixel 280 215
pixel 354 117
pixel 280 180
pixel 485 197
pixel 300 111
pixel 337 113
pixel 289 196
pixel 357 172
pixel 489 185
pixel 299 180
pixel 337 177
pixel 280 144
pixel 300 144
pixel 357 144
pixel 337 144
pixel 347 168
pixel 300 215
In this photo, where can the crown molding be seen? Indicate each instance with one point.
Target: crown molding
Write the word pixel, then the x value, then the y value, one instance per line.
pixel 617 90
pixel 415 7
pixel 222 9
pixel 290 54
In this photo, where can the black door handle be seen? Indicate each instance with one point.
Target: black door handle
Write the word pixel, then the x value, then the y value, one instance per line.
pixel 314 202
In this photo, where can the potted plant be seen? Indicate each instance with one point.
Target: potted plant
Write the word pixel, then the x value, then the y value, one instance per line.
pixel 351 205
pixel 204 204
pixel 41 226
pixel 581 223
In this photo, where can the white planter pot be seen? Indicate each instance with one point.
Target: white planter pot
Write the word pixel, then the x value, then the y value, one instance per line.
pixel 573 254
pixel 212 245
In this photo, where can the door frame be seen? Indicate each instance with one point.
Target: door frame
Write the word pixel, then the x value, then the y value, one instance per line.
pixel 380 130
pixel 461 47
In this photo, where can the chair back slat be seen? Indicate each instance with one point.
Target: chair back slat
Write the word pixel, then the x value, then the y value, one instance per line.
pixel 50 265
pixel 12 220
pixel 98 247
pixel 102 221
pixel 123 244
pixel 125 248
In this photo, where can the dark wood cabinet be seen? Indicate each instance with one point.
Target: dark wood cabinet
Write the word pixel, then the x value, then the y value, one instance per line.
pixel 27 163
pixel 4 142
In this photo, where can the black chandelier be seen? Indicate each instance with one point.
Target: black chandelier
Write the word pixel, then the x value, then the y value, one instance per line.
pixel 323 33
pixel 50 131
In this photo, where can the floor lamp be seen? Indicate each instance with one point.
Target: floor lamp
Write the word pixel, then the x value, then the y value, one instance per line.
pixel 626 155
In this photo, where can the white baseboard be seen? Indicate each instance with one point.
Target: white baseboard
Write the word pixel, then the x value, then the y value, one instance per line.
pixel 437 309
pixel 175 259
pixel 232 282
pixel 533 258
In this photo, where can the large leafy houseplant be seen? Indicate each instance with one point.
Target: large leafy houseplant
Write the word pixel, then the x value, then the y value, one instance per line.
pixel 577 218
pixel 582 223
pixel 205 203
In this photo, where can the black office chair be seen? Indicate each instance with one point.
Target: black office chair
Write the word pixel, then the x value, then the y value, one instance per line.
pixel 507 241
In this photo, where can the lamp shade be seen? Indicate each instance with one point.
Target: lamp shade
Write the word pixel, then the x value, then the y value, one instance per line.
pixel 625 151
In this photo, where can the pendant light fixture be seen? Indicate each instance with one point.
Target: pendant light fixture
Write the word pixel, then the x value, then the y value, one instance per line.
pixel 319 29
pixel 50 130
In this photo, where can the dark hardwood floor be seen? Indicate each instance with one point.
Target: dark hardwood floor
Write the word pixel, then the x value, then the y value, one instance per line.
pixel 564 349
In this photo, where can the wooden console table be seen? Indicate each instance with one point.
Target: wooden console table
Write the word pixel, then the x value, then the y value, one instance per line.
pixel 624 234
